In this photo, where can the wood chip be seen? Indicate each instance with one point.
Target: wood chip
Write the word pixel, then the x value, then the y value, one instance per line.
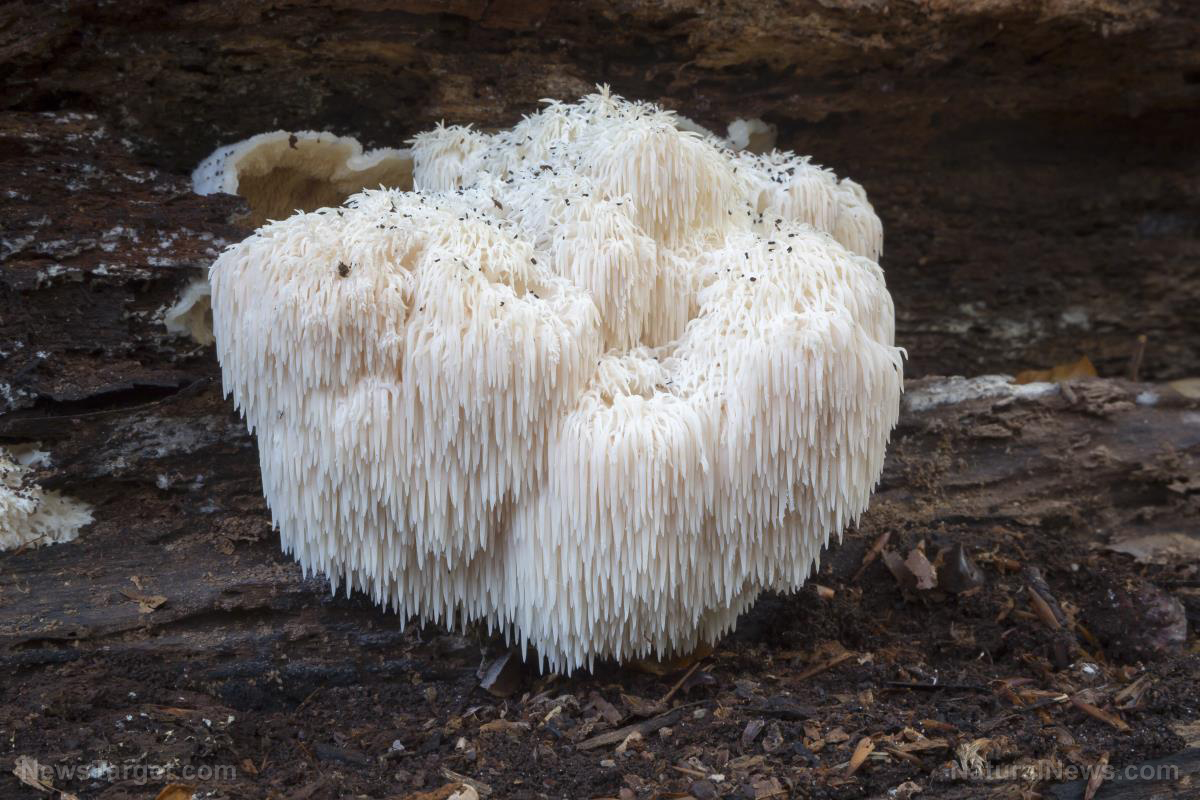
pixel 607 710
pixel 753 728
pixel 645 728
pixel 479 786
pixel 1096 778
pixel 872 554
pixel 1096 712
pixel 864 748
pixel 503 676
pixel 923 572
pixel 1042 609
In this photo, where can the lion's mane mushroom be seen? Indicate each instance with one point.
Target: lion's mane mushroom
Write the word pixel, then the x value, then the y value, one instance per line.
pixel 597 380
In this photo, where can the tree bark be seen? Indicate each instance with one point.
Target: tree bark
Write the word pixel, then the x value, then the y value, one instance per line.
pixel 1034 163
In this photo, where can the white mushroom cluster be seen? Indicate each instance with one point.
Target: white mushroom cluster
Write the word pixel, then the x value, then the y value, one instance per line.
pixel 596 380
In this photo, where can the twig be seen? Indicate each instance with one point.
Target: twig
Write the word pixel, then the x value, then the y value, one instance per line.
pixel 819 668
pixel 1095 712
pixel 872 554
pixel 1135 361
pixel 644 727
pixel 306 700
pixel 679 683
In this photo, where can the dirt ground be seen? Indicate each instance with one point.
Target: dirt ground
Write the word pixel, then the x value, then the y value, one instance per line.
pixel 174 634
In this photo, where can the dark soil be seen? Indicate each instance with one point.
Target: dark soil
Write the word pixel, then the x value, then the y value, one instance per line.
pixel 260 683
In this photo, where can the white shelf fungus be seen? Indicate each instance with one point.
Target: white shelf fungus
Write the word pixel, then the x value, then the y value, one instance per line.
pixel 29 515
pixel 280 172
pixel 191 315
pixel 598 381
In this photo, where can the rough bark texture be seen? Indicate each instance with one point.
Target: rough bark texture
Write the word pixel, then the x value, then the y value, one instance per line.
pixel 1034 162
pixel 1037 171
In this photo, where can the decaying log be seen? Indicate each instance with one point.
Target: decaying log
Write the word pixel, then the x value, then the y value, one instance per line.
pixel 1034 163
pixel 1036 171
pixel 1168 778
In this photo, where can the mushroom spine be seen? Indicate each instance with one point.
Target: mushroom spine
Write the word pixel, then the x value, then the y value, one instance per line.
pixel 596 380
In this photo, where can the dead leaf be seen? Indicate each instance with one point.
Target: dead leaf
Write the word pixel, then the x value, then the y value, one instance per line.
pixel 176 791
pixel 1059 373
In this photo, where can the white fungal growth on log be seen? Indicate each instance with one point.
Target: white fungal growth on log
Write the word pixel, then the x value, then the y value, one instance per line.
pixel 29 515
pixel 281 172
pixel 191 314
pixel 598 381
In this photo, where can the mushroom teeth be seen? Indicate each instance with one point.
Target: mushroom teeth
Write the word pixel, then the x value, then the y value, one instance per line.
pixel 598 381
